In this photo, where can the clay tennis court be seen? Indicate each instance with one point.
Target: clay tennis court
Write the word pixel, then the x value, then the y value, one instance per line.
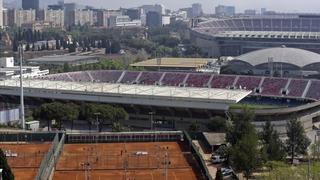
pixel 29 156
pixel 147 160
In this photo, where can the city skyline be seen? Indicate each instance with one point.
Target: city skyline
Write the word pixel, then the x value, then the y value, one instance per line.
pixel 312 6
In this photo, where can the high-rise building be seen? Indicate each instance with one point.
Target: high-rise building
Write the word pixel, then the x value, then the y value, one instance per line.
pixel 197 10
pixel 56 17
pixel 159 8
pixel 103 16
pixel 155 8
pixel 30 4
pixel 69 9
pixel 1 13
pixel 166 20
pixel 19 17
pixel 123 21
pixel 5 17
pixel 153 19
pixel 133 13
pixel 225 10
pixel 55 7
pixel 83 16
pixel 188 12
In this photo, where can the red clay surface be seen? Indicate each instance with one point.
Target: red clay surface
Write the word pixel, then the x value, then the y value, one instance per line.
pixel 119 161
pixel 26 164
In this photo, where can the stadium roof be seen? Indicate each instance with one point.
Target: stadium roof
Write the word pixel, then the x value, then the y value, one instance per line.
pixel 173 62
pixel 61 59
pixel 294 56
pixel 125 90
pixel 260 27
pixel 268 34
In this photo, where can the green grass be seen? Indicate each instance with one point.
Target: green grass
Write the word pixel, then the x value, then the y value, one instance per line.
pixel 252 106
pixel 285 171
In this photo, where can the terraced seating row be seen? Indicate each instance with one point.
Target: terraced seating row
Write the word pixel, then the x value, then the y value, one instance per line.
pixel 273 86
pixel 264 24
pixel 269 86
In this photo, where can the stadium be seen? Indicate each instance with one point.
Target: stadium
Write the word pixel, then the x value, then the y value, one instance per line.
pixel 239 35
pixel 175 100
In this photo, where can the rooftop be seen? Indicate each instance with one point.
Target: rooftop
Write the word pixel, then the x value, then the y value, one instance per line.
pixel 173 62
pixel 297 57
pixel 215 138
pixel 133 90
pixel 60 59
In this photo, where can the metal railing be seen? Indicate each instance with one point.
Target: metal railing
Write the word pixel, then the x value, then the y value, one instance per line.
pixel 51 158
pixel 203 93
pixel 198 157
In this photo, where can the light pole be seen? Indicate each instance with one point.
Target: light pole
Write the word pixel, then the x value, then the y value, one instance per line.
pixel 97 120
pixel 151 120
pixel 97 123
pixel 20 49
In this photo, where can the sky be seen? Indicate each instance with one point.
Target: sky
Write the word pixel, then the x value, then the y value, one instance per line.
pixel 308 6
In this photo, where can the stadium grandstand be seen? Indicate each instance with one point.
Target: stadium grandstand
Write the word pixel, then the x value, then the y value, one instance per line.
pixel 178 99
pixel 259 85
pixel 239 35
pixel 281 61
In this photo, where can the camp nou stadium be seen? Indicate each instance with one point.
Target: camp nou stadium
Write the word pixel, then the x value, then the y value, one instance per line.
pixel 239 35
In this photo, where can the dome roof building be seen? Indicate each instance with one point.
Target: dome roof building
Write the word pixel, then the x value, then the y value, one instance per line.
pixel 282 60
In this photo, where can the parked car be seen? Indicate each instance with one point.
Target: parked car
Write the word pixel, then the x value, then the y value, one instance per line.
pixel 215 159
pixel 228 173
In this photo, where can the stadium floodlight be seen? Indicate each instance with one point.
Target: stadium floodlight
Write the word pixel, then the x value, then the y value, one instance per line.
pixel 20 48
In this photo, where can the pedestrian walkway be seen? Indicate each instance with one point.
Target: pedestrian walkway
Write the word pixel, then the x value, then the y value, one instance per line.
pixel 206 157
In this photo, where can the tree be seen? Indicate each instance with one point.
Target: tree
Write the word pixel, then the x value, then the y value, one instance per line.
pixel 47 45
pixel 244 153
pixel 28 47
pixel 241 125
pixel 141 55
pixel 66 67
pixel 103 113
pixel 107 46
pixel 60 112
pixel 116 127
pixel 219 175
pixel 29 116
pixel 217 124
pixel 273 146
pixel 70 112
pixel 6 170
pixel 120 115
pixel 315 150
pixel 297 142
pixel 58 46
pixel 194 127
pixel 72 47
pixel 115 47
